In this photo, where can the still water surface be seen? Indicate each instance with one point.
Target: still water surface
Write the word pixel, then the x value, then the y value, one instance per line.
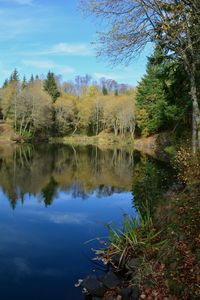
pixel 52 200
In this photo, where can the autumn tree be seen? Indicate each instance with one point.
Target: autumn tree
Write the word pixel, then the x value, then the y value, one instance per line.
pixel 9 94
pixel 33 113
pixel 66 118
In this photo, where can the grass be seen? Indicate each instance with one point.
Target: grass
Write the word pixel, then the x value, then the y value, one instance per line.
pixel 137 237
pixel 103 140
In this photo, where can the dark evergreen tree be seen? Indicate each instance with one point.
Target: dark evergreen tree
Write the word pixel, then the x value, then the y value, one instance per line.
pixel 14 76
pixel 5 83
pixel 104 90
pixel 50 86
pixel 162 97
pixel 31 79
pixel 24 83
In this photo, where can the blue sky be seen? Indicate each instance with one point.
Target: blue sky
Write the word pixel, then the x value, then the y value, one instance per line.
pixel 41 35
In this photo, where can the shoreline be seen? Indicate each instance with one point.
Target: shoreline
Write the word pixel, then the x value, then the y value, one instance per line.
pixel 158 259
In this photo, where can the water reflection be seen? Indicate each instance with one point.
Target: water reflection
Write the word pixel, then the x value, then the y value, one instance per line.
pixel 43 170
pixel 151 179
pixel 61 197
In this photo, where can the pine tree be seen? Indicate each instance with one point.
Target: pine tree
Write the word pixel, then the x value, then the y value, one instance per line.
pixel 31 79
pixel 50 86
pixel 24 83
pixel 162 98
pixel 5 83
pixel 104 90
pixel 14 76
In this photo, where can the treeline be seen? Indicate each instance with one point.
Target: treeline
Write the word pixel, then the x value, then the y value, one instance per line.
pixel 48 106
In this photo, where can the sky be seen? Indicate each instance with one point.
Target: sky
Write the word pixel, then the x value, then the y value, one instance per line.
pixel 41 35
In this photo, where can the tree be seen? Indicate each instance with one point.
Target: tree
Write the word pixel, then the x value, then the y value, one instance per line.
pixel 173 24
pixel 24 83
pixel 119 115
pixel 5 83
pixel 14 76
pixel 162 98
pixel 31 79
pixel 50 87
pixel 65 108
pixel 10 96
pixel 104 90
pixel 33 110
pixel 7 95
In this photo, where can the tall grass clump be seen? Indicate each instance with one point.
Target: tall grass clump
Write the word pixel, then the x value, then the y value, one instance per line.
pixel 138 237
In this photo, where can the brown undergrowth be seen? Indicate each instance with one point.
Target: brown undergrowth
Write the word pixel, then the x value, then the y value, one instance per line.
pixel 164 249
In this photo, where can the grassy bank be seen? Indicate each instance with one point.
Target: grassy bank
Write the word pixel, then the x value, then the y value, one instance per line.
pixel 160 253
pixel 103 140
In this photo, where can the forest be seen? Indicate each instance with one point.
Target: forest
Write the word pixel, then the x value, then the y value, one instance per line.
pixel 50 107
pixel 44 107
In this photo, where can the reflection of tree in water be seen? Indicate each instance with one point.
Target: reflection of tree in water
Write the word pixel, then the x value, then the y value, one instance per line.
pixel 49 191
pixel 150 180
pixel 41 170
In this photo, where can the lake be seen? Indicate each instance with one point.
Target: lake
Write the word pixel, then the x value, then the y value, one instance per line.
pixel 55 198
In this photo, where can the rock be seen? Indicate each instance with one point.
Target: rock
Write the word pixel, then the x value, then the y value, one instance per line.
pixel 126 293
pixel 110 280
pixel 116 260
pixel 135 294
pixel 93 286
pixel 133 264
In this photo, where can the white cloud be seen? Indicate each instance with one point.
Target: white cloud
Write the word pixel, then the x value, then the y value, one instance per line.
pixel 70 218
pixel 66 70
pixel 68 49
pixel 12 28
pixel 40 64
pixel 47 65
pixel 65 48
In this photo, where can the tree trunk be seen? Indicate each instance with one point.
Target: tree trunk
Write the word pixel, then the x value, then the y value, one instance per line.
pixel 115 129
pixel 195 115
pixel 15 96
